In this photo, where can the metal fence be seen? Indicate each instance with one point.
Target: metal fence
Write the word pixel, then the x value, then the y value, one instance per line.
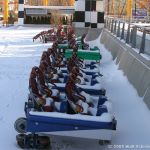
pixel 135 35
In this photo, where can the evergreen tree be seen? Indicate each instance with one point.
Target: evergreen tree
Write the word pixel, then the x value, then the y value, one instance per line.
pixel 30 20
pixel 63 20
pixel 49 20
pixel 11 19
pixel 71 19
pixel 42 20
pixel 45 20
pixel 34 20
pixel 38 20
pixel 66 20
pixel 26 20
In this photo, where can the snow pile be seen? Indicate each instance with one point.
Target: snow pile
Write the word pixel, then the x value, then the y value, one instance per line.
pixel 18 54
pixel 132 114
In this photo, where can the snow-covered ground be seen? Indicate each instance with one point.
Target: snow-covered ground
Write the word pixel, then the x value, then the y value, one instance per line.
pixel 18 54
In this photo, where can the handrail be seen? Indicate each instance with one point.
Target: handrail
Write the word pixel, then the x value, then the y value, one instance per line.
pixel 130 32
pixel 133 19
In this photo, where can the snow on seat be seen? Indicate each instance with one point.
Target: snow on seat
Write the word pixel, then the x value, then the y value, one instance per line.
pixel 105 117
pixel 95 70
pixel 55 92
pixel 98 101
pixel 108 104
pixel 94 87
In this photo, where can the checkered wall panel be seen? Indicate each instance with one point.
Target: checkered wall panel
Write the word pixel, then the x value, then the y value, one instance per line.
pixel 89 13
pixel 21 12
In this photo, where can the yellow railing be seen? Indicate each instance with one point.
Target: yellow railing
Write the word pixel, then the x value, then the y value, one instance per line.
pixel 5 12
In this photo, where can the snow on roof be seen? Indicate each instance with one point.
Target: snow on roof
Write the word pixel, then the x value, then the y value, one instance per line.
pixel 51 7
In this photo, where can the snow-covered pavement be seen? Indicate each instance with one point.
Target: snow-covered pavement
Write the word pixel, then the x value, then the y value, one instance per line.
pixel 18 54
pixel 132 114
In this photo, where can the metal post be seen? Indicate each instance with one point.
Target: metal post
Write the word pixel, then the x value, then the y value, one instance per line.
pixel 122 33
pixel 105 23
pixel 135 9
pixel 128 34
pixel 90 13
pixel 115 27
pixel 108 5
pixel 118 30
pixel 142 49
pixel 109 24
pixel 131 36
pixel 112 26
pixel 134 34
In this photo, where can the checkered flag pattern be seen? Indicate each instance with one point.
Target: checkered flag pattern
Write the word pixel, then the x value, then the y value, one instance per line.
pixel 21 12
pixel 89 13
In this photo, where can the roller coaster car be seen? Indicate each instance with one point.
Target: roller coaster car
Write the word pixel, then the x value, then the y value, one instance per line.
pixel 65 108
pixel 99 127
pixel 99 123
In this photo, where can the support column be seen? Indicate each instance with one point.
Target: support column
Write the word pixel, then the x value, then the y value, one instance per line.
pixel 118 30
pixel 115 27
pixel 128 34
pixel 21 12
pixel 5 12
pixel 122 33
pixel 129 8
pixel 112 26
pixel 134 37
pixel 45 2
pixel 142 49
pixel 72 2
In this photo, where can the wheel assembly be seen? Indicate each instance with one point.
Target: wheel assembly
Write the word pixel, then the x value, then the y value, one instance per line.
pixel 20 125
pixel 42 142
pixel 21 139
pixel 104 142
pixel 33 141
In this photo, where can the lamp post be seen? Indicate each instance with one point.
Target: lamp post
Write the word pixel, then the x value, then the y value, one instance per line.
pixel 90 12
pixel 135 9
pixel 108 9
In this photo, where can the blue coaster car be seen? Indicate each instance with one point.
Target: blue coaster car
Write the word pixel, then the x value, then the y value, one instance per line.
pixel 74 125
pixel 92 90
pixel 54 123
pixel 64 122
pixel 62 103
pixel 89 71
